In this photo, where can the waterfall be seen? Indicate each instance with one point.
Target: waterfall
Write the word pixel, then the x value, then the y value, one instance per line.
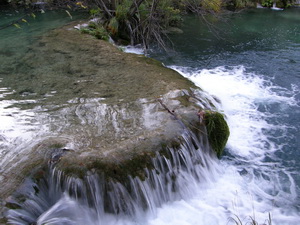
pixel 96 199
pixel 274 7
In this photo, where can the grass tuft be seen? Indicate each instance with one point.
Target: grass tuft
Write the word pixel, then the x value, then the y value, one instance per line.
pixel 251 221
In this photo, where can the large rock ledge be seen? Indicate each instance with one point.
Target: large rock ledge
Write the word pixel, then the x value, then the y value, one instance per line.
pixel 98 106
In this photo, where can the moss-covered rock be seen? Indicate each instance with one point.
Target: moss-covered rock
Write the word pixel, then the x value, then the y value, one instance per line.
pixel 102 111
pixel 132 164
pixel 217 131
pixel 3 221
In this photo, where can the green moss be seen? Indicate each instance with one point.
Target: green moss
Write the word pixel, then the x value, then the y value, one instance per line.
pixel 12 205
pixel 56 145
pixel 217 131
pixel 92 25
pixel 164 150
pixel 120 171
pixel 75 171
pixel 85 30
pixel 96 30
pixel 95 12
pixel 175 143
pixel 3 221
pixel 101 33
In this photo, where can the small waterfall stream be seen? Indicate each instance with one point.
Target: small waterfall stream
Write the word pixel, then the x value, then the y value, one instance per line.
pixel 59 199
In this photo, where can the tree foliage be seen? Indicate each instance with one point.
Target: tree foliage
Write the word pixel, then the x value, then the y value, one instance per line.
pixel 146 21
pixel 139 21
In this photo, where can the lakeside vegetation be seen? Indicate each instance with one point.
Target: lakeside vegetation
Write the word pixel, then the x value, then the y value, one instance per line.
pixel 143 21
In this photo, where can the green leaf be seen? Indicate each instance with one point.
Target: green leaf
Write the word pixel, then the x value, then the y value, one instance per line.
pixel 69 14
pixel 17 25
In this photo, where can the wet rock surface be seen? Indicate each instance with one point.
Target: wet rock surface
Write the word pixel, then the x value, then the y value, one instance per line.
pixel 66 64
pixel 87 96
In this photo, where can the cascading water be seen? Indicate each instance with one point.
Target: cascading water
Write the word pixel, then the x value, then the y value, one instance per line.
pixel 58 199
pixel 256 75
pixel 254 72
pixel 261 180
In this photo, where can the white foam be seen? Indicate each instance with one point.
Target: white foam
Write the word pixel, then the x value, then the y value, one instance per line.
pixel 241 93
pixel 219 202
pixel 134 49
pixel 212 205
pixel 248 188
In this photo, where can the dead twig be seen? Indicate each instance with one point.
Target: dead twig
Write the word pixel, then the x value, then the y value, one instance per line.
pixel 172 112
pixel 200 114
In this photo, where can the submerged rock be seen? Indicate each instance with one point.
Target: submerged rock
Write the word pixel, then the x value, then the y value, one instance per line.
pixel 111 110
